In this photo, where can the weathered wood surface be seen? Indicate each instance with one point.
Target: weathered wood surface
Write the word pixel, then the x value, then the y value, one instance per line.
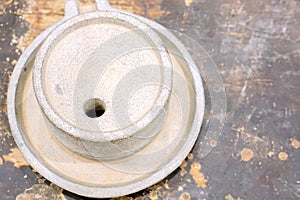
pixel 256 45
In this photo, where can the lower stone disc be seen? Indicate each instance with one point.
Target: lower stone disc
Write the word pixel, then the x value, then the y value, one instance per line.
pixel 103 179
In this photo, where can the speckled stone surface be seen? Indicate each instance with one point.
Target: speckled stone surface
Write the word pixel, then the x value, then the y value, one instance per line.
pixel 256 46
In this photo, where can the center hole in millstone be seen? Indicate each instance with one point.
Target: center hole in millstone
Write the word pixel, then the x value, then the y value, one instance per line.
pixel 94 108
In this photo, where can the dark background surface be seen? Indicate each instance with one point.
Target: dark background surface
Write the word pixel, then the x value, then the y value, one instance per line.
pixel 256 46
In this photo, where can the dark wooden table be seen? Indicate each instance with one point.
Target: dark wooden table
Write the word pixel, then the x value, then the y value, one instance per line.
pixel 256 46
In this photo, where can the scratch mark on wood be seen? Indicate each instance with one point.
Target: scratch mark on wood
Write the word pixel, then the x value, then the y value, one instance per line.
pixel 283 156
pixel 246 154
pixel 16 158
pixel 295 143
pixel 42 192
pixel 197 175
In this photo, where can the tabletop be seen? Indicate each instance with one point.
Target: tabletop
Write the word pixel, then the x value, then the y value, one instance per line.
pixel 255 47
